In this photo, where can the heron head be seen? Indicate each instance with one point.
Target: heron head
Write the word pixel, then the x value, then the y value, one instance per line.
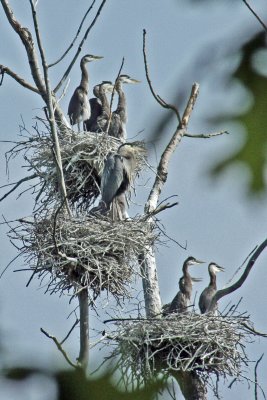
pixel 107 86
pixel 193 261
pixel 214 268
pixel 90 57
pixel 127 79
pixel 96 90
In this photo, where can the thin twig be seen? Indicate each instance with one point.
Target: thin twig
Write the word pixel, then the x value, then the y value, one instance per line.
pixel 256 378
pixel 62 351
pixel 66 73
pixel 68 335
pixel 255 15
pixel 76 36
pixel 17 184
pixel 112 95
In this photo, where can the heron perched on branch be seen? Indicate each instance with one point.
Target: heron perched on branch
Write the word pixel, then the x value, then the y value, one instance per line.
pixel 100 108
pixel 119 116
pixel 180 302
pixel 208 293
pixel 79 106
pixel 118 176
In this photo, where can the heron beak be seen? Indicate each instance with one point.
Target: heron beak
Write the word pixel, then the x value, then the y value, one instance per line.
pixel 98 57
pixel 196 279
pixel 131 80
pixel 221 269
pixel 199 262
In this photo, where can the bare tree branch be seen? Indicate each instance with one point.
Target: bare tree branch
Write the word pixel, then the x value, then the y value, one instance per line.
pixel 79 48
pixel 156 96
pixel 27 40
pixel 71 329
pixel 206 135
pixel 62 351
pixel 49 103
pixel 76 36
pixel 162 170
pixel 255 15
pixel 84 329
pixel 224 292
pixel 5 70
pixel 256 378
pixel 17 184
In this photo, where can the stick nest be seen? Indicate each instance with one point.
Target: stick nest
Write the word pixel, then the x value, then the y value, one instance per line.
pixel 204 343
pixel 83 158
pixel 92 251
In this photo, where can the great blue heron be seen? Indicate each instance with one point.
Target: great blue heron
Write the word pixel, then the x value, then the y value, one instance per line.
pixel 100 108
pixel 118 175
pixel 119 116
pixel 208 293
pixel 181 300
pixel 79 106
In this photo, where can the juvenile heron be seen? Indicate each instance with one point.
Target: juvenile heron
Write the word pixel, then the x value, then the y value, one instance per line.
pixel 181 300
pixel 208 293
pixel 100 108
pixel 118 174
pixel 119 116
pixel 79 106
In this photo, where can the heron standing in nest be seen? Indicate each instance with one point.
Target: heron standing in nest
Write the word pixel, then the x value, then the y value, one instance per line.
pixel 206 296
pixel 181 301
pixel 117 177
pixel 79 107
pixel 100 108
pixel 119 116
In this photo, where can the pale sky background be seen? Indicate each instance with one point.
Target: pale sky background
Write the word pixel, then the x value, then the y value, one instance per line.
pixel 185 44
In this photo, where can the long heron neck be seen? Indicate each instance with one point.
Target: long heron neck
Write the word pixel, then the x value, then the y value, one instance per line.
pixel 85 78
pixel 213 280
pixel 121 107
pixel 104 102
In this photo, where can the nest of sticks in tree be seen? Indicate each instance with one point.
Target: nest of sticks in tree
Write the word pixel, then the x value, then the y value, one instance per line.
pixel 83 158
pixel 91 251
pixel 189 342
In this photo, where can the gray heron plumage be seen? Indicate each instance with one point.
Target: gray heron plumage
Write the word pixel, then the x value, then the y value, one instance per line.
pixel 79 107
pixel 181 301
pixel 100 108
pixel 206 296
pixel 118 175
pixel 119 116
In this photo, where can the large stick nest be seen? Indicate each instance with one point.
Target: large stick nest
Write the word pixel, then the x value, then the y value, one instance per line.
pixel 188 342
pixel 83 158
pixel 91 251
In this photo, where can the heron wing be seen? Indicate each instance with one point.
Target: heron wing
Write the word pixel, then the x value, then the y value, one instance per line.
pixel 77 105
pixel 112 178
pixel 96 110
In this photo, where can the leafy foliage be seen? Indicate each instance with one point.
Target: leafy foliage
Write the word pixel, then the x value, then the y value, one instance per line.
pixel 253 150
pixel 74 385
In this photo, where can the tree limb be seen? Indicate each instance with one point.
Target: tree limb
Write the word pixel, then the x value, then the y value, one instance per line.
pixel 224 292
pixel 156 96
pixel 27 40
pixel 17 184
pixel 206 135
pixel 5 70
pixel 49 103
pixel 255 15
pixel 79 48
pixel 76 36
pixel 84 329
pixel 62 351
